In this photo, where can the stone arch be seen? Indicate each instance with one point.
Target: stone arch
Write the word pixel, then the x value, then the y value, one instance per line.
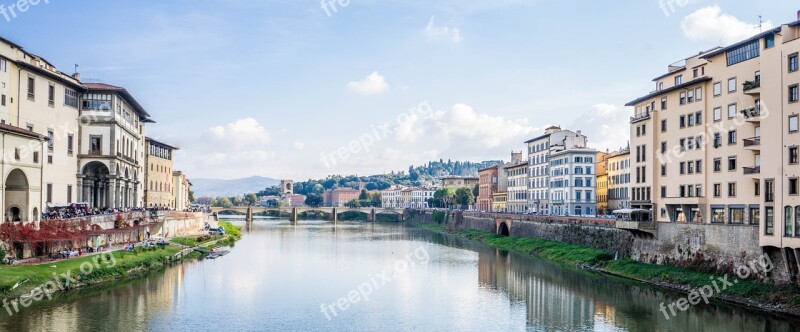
pixel 95 182
pixel 503 229
pixel 17 193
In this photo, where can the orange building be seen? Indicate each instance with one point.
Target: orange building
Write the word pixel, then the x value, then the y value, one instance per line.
pixel 487 187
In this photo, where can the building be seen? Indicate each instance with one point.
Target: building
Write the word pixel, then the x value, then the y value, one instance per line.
pixel 458 181
pixel 618 165
pixel 517 187
pixel 181 188
pixel 111 154
pixel 539 151
pixel 572 182
pixel 700 140
pixel 488 182
pixel 159 178
pixel 339 197
pixel 397 197
pixel 602 183
pixel 500 202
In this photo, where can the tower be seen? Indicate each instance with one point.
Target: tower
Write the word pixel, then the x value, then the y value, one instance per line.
pixel 287 187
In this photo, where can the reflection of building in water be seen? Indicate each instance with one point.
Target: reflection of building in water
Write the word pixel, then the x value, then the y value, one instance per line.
pixel 130 307
pixel 561 299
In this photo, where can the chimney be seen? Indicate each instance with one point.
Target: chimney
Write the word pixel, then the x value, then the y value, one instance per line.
pixel 77 76
pixel 798 15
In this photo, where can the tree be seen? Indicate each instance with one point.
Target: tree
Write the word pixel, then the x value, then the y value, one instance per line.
pixel 353 204
pixel 314 200
pixel 251 199
pixel 364 195
pixel 464 196
pixel 191 196
pixel 222 202
pixel 444 196
pixel 476 190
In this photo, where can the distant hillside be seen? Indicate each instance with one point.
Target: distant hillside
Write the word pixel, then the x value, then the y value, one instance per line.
pixel 215 188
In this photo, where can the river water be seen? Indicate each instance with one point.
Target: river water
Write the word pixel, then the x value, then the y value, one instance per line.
pixel 374 277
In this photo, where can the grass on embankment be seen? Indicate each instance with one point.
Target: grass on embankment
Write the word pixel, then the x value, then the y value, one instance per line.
pixel 124 262
pixel 570 256
pixel 232 234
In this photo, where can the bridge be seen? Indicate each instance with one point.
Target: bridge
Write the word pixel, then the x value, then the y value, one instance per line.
pixel 295 211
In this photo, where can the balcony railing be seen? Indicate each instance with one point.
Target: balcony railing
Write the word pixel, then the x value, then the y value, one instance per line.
pixel 755 141
pixel 752 112
pixel 640 117
pixel 752 170
pixel 750 85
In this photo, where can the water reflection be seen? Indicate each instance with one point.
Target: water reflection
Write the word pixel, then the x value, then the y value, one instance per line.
pixel 276 278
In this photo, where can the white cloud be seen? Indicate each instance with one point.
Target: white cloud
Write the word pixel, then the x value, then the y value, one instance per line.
pixel 607 126
pixel 240 133
pixel 442 32
pixel 299 146
pixel 710 24
pixel 371 85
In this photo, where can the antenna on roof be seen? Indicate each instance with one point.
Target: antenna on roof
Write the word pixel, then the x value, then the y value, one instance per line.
pixel 760 24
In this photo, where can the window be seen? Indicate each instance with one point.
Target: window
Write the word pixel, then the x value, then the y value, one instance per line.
pixel 698 118
pixel 732 189
pixel 664 103
pixel 793 155
pixel 698 94
pixel 70 143
pixel 793 63
pixel 793 123
pixel 717 89
pixel 698 165
pixel 683 144
pixel 691 120
pixel 717 190
pixel 69 193
pixel 690 96
pixel 731 111
pixel 793 186
pixel 732 137
pixel 50 138
pixel 2 100
pixel 663 126
pixel 96 102
pixel 718 114
pixel 743 53
pixel 797 221
pixel 49 193
pixel 96 146
pixel 793 90
pixel 755 215
pixel 682 121
pixel 3 66
pixel 663 147
pixel 769 227
pixel 51 95
pixel 31 88
pixel 682 168
pixel 35 157
pixel 695 72
pixel 787 221
pixel 682 99
pixel 16 154
pixel 679 80
pixel 663 191
pixel 732 84
pixel 731 163
pixel 663 170
pixel 690 167
pixel 717 165
pixel 769 41
pixel 71 98
pixel 717 215
pixel 737 216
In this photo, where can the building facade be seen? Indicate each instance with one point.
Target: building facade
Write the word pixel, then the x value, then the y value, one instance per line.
pixel 160 188
pixel 601 166
pixel 488 185
pixel 517 187
pixel 397 197
pixel 618 165
pixel 458 181
pixel 572 182
pixel 339 197
pixel 701 138
pixel 539 150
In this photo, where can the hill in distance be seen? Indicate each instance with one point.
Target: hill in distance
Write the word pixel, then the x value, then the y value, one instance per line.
pixel 216 187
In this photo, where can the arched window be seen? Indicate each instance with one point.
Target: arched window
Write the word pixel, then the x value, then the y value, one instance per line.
pixel 578 210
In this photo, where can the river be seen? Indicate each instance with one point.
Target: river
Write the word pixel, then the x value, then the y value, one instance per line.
pixel 371 277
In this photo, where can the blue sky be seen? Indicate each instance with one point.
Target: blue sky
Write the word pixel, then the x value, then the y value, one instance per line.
pixel 249 87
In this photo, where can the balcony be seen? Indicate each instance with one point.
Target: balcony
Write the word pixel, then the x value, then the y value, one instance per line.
pixel 753 144
pixel 640 117
pixel 752 87
pixel 752 170
pixel 752 114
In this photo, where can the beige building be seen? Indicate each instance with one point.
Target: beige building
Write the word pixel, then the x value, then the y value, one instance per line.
pixel 602 183
pixel 700 139
pixel 517 187
pixel 160 185
pixel 181 186
pixel 458 181
pixel 618 167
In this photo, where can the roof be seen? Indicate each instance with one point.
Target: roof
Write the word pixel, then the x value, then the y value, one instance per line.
pixel 122 91
pixel 540 137
pixel 488 168
pixel 148 139
pixel 748 40
pixel 22 132
pixel 668 90
pixel 52 75
pixel 517 165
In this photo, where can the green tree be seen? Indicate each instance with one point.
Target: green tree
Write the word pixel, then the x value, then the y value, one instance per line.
pixel 464 196
pixel 444 196
pixel 364 195
pixel 222 202
pixel 251 199
pixel 314 200
pixel 476 190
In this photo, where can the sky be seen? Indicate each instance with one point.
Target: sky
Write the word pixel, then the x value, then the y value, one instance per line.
pixel 301 89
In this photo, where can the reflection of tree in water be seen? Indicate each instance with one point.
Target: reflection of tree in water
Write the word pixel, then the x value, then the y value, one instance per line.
pixel 558 298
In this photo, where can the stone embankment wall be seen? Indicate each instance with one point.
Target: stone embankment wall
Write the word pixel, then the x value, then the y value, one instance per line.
pixel 720 248
pixel 179 224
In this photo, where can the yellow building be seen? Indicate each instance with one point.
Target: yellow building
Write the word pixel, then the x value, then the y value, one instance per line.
pixel 159 193
pixel 180 191
pixel 458 181
pixel 602 184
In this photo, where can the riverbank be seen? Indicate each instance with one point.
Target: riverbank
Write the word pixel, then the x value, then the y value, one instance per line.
pixel 43 280
pixel 232 234
pixel 765 297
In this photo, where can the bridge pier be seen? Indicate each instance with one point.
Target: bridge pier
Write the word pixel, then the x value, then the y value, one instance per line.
pixel 293 216
pixel 372 216
pixel 334 216
pixel 249 215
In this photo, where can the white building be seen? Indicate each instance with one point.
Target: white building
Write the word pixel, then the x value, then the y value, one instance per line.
pixel 619 180
pixel 397 197
pixel 517 187
pixel 539 150
pixel 573 182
